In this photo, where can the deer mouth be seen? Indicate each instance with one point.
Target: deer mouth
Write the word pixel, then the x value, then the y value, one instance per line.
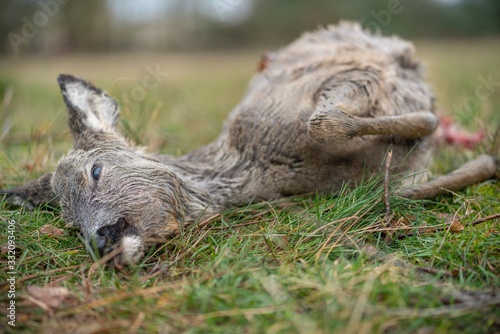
pixel 119 242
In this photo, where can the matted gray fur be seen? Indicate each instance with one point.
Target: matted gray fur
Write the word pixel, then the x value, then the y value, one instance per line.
pixel 321 112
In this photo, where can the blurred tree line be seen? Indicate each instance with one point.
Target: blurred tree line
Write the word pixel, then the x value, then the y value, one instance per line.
pixel 58 26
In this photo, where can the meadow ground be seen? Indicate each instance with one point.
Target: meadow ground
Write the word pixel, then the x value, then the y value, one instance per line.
pixel 313 264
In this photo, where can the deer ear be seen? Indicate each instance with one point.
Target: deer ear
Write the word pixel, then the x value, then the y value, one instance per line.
pixel 89 108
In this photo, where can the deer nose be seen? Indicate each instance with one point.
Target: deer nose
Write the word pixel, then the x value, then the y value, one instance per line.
pixel 101 241
pixel 108 235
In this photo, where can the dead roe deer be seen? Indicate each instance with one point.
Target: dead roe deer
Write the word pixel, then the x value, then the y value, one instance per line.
pixel 320 113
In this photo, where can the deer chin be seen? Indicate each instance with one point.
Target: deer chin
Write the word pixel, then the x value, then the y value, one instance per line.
pixel 131 250
pixel 131 247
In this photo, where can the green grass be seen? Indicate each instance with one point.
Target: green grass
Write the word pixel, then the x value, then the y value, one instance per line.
pixel 313 264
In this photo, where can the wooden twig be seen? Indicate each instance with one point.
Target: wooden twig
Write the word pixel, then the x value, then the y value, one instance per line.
pixel 482 220
pixel 442 228
pixel 386 186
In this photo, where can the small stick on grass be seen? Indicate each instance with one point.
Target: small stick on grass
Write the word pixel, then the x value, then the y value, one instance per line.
pixel 386 187
pixel 437 228
pixel 482 220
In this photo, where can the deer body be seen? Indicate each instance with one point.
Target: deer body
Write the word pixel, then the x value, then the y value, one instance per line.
pixel 274 143
pixel 322 112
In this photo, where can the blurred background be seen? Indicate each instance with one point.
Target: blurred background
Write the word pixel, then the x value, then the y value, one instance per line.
pixel 197 56
pixel 62 26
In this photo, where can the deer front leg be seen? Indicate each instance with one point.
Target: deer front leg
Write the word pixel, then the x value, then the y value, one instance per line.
pixel 336 127
pixel 32 194
pixel 480 169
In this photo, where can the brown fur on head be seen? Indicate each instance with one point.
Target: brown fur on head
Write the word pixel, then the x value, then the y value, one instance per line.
pixel 113 192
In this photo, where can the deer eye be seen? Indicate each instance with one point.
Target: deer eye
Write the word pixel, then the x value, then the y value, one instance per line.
pixel 96 172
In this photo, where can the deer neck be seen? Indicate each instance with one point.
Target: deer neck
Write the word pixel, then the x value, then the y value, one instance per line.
pixel 210 185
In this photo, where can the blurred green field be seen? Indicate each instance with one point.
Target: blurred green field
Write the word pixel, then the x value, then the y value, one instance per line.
pixel 189 104
pixel 261 277
pixel 194 94
pixel 198 90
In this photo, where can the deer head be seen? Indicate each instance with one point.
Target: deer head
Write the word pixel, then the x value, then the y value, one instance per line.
pixel 115 193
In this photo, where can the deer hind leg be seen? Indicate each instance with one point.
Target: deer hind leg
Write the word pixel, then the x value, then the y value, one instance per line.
pixel 336 127
pixel 480 169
